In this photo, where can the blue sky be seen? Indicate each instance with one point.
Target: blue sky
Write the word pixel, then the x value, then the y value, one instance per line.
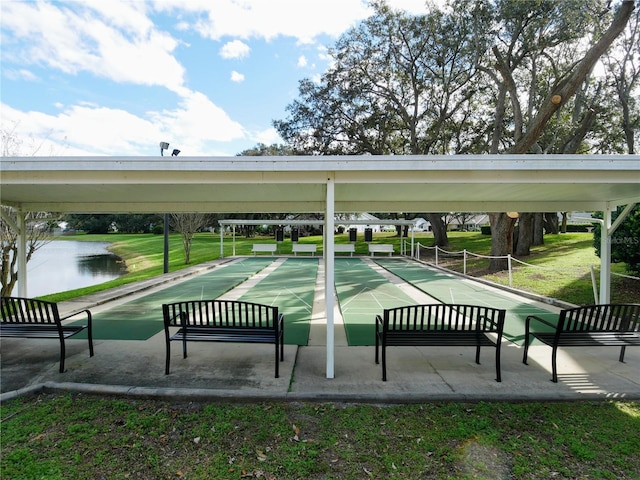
pixel 110 77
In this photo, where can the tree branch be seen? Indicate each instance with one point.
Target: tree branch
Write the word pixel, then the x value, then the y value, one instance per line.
pixel 566 89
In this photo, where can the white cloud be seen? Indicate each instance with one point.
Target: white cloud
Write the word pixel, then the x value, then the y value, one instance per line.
pixel 303 20
pixel 268 136
pixel 20 74
pixel 199 119
pixel 302 61
pixel 237 77
pixel 78 130
pixel 235 49
pixel 119 42
pixel 87 129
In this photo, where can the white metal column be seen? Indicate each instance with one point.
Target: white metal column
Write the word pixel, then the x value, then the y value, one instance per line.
pixel 606 232
pixel 329 280
pixel 22 253
pixel 605 257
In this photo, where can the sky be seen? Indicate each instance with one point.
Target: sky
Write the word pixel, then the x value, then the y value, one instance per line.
pixel 116 78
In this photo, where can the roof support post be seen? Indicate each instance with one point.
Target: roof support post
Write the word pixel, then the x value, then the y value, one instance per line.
pixel 605 257
pixel 165 256
pixel 329 261
pixel 606 232
pixel 221 241
pixel 22 253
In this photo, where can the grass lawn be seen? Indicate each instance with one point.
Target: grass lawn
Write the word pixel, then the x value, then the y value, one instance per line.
pixel 79 436
pixel 559 269
pixel 85 437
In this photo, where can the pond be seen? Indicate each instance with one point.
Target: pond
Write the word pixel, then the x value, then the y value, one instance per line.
pixel 63 265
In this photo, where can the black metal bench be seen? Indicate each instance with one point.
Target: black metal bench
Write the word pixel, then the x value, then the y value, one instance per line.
pixel 610 325
pixel 223 321
pixel 31 318
pixel 440 325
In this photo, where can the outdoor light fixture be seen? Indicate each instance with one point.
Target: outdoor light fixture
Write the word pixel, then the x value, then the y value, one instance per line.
pixel 175 152
pixel 163 147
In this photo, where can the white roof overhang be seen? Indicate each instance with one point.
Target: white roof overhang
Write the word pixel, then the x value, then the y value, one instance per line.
pixel 298 184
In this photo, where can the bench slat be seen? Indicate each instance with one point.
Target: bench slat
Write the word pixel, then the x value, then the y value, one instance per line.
pixel 304 248
pixel 594 339
pixel 264 247
pixel 32 318
pixel 380 248
pixel 423 339
pixel 223 321
pixel 440 325
pixel 607 325
pixel 38 331
pixel 344 248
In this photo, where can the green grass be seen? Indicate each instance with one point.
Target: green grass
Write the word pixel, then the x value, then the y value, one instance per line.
pixel 561 267
pixel 85 437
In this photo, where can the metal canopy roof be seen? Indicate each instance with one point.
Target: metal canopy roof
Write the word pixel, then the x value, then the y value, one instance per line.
pixel 298 184
pixel 483 183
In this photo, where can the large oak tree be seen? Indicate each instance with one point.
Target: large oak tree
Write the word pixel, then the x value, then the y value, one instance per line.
pixel 477 77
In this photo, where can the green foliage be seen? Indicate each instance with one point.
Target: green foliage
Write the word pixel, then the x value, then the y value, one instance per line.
pixel 625 242
pixel 105 223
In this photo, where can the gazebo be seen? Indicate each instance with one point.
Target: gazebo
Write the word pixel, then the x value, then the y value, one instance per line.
pixel 327 185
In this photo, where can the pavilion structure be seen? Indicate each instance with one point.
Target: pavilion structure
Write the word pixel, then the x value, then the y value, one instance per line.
pixel 323 184
pixel 302 222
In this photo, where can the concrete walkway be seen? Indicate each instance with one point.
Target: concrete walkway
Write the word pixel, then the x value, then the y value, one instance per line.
pixel 223 372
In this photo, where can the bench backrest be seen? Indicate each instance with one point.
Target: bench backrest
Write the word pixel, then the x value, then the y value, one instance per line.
pixel 600 318
pixel 28 311
pixel 305 247
pixel 264 247
pixel 434 317
pixel 220 314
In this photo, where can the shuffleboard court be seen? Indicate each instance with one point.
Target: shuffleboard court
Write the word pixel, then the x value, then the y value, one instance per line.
pixel 362 294
pixel 290 287
pixel 449 288
pixel 141 318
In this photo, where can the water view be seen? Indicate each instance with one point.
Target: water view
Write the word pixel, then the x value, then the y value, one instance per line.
pixel 63 265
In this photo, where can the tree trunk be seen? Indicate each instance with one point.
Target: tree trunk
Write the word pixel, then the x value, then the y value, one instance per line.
pixel 501 240
pixel 439 230
pixel 525 234
pixel 551 223
pixel 538 229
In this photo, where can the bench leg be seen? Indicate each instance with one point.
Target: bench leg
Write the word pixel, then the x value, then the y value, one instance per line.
pixel 622 350
pixel 525 354
pixel 168 358
pixel 277 361
pixel 554 368
pixel 478 355
pixel 62 354
pixel 384 363
pixel 498 372
pixel 282 349
pixel 90 334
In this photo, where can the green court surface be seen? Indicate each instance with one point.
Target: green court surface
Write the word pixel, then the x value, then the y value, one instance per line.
pixel 362 294
pixel 290 287
pixel 449 288
pixel 141 318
